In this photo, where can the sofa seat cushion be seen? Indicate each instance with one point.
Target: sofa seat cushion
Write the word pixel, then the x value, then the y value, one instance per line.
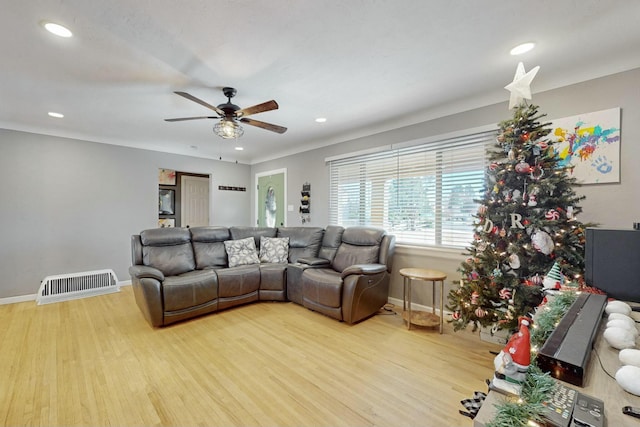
pixel 322 286
pixel 273 276
pixel 236 281
pixel 241 252
pixel 189 289
pixel 274 249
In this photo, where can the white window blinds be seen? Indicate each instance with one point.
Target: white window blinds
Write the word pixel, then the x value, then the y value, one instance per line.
pixel 422 194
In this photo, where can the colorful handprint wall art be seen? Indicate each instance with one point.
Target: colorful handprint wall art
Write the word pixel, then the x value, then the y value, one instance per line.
pixel 589 145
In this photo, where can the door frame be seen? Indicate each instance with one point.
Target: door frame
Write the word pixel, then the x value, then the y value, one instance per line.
pixel 257 194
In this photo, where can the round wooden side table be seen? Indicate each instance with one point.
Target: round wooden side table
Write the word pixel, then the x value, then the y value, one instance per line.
pixel 423 318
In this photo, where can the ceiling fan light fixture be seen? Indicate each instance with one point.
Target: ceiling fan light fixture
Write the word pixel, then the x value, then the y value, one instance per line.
pixel 228 129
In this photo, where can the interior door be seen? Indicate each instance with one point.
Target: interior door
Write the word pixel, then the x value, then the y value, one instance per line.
pixel 271 199
pixel 194 201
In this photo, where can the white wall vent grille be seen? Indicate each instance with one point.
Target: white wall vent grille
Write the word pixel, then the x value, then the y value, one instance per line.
pixel 64 287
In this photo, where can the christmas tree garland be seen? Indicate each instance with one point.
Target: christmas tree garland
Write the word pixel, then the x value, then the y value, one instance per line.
pixel 538 385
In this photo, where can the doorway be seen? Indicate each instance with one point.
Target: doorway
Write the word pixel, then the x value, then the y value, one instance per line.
pixel 271 198
pixel 194 202
pixel 188 197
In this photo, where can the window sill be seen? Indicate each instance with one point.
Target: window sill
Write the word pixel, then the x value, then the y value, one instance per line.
pixel 431 251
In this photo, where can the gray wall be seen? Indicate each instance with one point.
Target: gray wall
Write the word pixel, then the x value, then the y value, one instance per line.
pixel 70 206
pixel 610 205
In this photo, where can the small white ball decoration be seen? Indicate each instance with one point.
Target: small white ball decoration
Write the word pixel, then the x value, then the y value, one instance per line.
pixel 629 379
pixel 619 323
pixel 619 338
pixel 624 317
pixel 618 307
pixel 629 356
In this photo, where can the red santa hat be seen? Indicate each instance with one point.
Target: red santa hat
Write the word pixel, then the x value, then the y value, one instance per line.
pixel 519 345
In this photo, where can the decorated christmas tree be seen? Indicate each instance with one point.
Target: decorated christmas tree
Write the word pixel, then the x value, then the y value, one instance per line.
pixel 526 222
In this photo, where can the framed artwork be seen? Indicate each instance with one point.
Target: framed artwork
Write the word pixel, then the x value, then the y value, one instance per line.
pixel 589 144
pixel 166 222
pixel 166 202
pixel 166 177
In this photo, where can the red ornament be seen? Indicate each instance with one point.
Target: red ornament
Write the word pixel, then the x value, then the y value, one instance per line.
pixel 455 315
pixel 524 136
pixel 526 222
pixel 493 166
pixel 543 145
pixel 552 215
pixel 536 280
pixel 480 312
pixel 523 167
pixel 505 293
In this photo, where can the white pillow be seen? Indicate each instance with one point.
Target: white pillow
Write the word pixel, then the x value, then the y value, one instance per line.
pixel 274 249
pixel 241 252
pixel 619 338
pixel 618 307
pixel 629 356
pixel 629 379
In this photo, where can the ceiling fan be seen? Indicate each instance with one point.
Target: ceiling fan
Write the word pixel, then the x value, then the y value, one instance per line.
pixel 230 114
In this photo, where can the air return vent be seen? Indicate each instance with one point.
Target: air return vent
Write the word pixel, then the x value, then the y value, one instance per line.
pixel 64 287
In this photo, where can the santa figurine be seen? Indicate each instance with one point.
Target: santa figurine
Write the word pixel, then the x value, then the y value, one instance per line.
pixel 512 363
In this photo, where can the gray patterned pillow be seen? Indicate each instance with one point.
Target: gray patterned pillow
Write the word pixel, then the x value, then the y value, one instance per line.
pixel 241 252
pixel 274 249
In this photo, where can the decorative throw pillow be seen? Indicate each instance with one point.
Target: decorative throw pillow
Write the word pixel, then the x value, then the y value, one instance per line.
pixel 274 249
pixel 241 252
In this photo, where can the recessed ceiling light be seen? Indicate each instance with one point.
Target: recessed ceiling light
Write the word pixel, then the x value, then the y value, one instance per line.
pixel 321 119
pixel 56 115
pixel 522 48
pixel 57 29
pixel 239 148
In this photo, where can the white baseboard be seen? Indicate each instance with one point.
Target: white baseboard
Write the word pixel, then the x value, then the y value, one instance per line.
pixel 19 298
pixel 32 297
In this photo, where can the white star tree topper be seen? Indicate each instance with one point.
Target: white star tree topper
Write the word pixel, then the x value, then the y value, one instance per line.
pixel 519 87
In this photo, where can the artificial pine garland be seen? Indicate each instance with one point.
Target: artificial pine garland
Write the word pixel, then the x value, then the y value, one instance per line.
pixel 538 385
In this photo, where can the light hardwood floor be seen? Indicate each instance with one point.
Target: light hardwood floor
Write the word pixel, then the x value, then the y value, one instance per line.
pixel 95 361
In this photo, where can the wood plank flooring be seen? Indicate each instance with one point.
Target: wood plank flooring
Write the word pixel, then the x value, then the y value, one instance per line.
pixel 95 361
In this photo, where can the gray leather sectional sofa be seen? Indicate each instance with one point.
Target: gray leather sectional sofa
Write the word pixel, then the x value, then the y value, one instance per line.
pixel 180 273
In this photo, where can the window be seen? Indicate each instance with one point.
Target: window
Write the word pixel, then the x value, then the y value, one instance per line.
pixel 423 194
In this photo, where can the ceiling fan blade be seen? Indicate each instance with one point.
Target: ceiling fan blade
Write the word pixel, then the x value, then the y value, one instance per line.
pixel 260 108
pixel 263 125
pixel 191 118
pixel 201 102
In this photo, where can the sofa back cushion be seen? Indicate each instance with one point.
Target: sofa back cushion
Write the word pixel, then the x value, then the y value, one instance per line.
pixel 168 249
pixel 208 246
pixel 330 242
pixel 360 245
pixel 238 233
pixel 304 242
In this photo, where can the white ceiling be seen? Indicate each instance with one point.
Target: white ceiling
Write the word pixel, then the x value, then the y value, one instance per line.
pixel 365 65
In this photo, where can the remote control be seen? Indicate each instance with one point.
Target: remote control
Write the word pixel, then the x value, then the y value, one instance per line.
pixel 588 411
pixel 630 410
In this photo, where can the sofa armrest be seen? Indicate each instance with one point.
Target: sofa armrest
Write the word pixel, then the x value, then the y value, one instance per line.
pixel 314 262
pixel 363 269
pixel 143 271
